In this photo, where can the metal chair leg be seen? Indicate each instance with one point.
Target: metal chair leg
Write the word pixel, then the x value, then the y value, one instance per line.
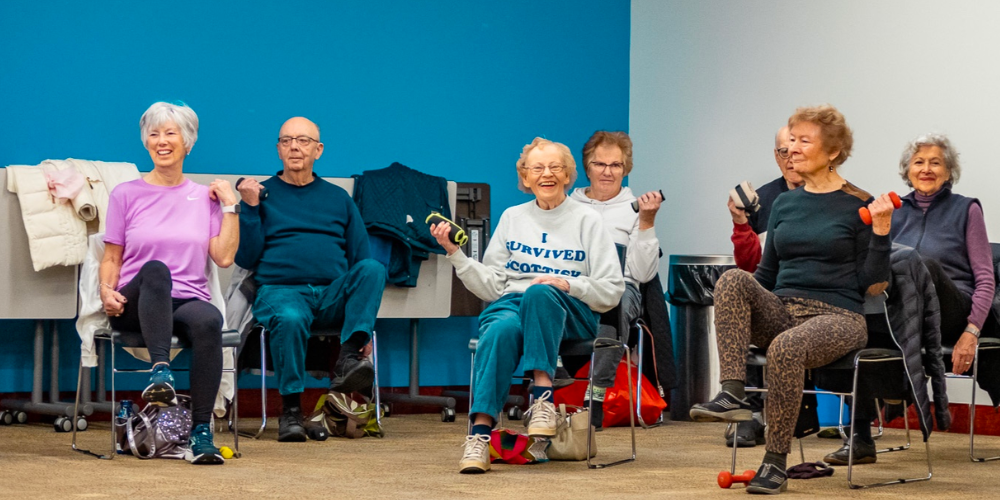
pixel 972 415
pixel 608 343
pixel 263 387
pixel 76 415
pixel 375 388
pixel 850 443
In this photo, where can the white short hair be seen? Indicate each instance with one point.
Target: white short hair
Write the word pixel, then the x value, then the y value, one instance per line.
pixel 163 112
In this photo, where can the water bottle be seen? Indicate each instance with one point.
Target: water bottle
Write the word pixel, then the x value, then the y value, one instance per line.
pixel 125 411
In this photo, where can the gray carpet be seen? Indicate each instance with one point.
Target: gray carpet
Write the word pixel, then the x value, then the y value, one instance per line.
pixel 419 456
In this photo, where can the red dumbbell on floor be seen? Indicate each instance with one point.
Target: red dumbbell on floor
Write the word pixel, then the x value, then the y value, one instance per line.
pixel 727 479
pixel 867 217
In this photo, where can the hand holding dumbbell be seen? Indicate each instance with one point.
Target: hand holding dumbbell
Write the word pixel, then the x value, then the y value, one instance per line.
pixel 866 216
pixel 727 479
pixel 247 194
pixel 635 204
pixel 454 237
pixel 745 198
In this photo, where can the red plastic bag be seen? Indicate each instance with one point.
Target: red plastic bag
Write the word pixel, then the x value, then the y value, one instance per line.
pixel 616 405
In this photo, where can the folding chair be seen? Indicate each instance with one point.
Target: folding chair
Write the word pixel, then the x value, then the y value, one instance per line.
pixel 853 361
pixel 333 334
pixel 608 337
pixel 230 338
pixel 985 344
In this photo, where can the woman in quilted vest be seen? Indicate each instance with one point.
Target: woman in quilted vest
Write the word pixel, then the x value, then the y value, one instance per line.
pixel 949 232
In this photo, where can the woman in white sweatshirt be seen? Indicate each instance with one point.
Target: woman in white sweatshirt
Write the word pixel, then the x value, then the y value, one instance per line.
pixel 549 270
pixel 607 160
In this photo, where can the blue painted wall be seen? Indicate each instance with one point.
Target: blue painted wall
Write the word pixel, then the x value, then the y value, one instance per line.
pixel 449 87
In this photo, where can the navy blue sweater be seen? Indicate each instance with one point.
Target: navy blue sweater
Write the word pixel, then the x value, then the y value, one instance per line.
pixel 818 248
pixel 309 234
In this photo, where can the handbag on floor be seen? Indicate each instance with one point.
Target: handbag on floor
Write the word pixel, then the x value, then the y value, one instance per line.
pixel 345 417
pixel 156 431
pixel 572 430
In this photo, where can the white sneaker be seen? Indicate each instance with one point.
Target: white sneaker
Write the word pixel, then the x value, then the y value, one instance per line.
pixel 476 459
pixel 542 418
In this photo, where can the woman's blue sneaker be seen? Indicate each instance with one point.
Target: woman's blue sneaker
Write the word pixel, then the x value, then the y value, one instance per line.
pixel 160 391
pixel 201 449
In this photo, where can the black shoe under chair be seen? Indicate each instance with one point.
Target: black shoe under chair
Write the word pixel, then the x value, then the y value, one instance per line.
pixel 864 453
pixel 724 407
pixel 290 428
pixel 749 433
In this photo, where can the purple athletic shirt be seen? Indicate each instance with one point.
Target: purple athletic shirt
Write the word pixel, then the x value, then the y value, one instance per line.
pixel 170 224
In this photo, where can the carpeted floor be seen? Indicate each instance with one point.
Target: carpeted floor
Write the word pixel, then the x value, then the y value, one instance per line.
pixel 418 459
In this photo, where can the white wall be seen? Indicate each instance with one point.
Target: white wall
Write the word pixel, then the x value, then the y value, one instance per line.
pixel 712 80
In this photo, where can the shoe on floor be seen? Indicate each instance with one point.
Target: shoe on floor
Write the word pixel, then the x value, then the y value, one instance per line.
pixel 201 450
pixel 476 459
pixel 352 373
pixel 160 391
pixel 724 407
pixel 290 427
pixel 748 434
pixel 864 453
pixel 541 417
pixel 769 480
pixel 562 379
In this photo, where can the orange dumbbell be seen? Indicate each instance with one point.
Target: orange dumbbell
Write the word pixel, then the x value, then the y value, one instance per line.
pixel 727 479
pixel 867 217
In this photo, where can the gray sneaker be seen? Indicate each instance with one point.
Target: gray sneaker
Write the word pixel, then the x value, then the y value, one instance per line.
pixel 476 459
pixel 541 419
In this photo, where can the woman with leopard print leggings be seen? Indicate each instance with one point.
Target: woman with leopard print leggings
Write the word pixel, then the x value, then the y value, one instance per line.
pixel 804 304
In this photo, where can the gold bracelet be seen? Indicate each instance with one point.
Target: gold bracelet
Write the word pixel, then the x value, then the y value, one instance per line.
pixel 107 285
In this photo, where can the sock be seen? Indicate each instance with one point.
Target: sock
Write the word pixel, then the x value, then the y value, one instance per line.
pixel 289 401
pixel 353 344
pixel 735 387
pixel 481 429
pixel 863 431
pixel 538 391
pixel 776 459
pixel 196 423
pixel 597 396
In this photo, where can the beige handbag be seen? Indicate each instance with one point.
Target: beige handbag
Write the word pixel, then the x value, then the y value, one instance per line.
pixel 570 441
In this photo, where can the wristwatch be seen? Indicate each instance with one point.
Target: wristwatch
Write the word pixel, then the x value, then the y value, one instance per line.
pixel 973 330
pixel 231 209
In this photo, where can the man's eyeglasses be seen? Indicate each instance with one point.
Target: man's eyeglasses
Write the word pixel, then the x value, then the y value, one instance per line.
pixel 538 169
pixel 782 152
pixel 303 140
pixel 614 166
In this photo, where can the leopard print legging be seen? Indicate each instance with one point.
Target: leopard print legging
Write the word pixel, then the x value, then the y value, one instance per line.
pixel 798 333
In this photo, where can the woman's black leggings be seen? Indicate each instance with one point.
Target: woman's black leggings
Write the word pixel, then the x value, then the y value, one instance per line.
pixel 151 312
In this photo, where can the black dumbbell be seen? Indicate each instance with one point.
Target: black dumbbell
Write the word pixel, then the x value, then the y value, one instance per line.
pixel 263 191
pixel 457 234
pixel 635 204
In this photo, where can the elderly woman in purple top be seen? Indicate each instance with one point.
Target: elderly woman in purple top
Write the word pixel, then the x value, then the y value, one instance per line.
pixel 949 232
pixel 160 231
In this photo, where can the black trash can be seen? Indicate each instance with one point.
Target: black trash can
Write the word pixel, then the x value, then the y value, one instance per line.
pixel 691 291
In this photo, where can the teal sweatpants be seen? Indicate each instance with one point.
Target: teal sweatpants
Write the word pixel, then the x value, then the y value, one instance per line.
pixel 530 324
pixel 289 311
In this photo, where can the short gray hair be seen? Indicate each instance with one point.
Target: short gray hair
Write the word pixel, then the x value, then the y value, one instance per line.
pixel 932 139
pixel 567 158
pixel 163 112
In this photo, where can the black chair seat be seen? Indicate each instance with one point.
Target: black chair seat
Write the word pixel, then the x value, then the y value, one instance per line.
pixel 230 338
